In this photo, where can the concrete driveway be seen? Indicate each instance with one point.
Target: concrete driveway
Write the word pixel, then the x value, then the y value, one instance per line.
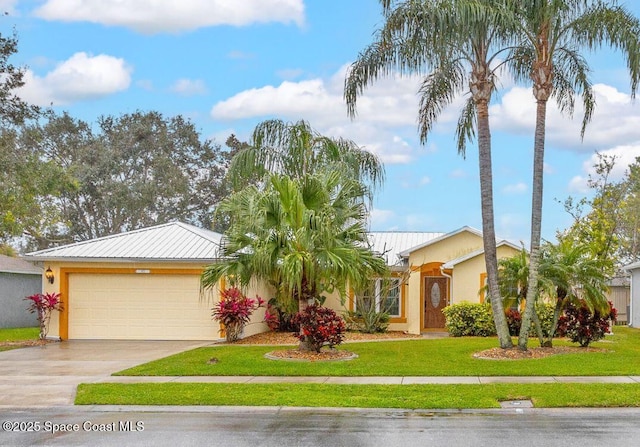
pixel 48 376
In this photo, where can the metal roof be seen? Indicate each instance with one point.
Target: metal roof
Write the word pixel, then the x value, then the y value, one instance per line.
pixel 391 243
pixel 175 241
pixel 17 265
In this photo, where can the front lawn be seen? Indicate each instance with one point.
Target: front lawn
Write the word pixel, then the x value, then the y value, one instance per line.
pixel 440 357
pixel 11 338
pixel 549 395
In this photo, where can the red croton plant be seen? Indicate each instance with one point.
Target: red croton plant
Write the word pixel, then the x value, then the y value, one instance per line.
pixel 234 311
pixel 44 304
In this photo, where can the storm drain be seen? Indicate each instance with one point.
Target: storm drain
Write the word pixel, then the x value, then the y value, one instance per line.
pixel 516 404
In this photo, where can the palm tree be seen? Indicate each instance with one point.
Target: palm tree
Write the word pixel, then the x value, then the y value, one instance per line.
pixel 575 274
pixel 550 33
pixel 455 45
pixel 295 149
pixel 304 236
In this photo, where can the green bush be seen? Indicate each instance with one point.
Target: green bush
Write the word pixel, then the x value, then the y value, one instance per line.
pixel 545 314
pixel 472 319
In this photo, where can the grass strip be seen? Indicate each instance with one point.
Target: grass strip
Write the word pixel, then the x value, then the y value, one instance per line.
pixel 13 335
pixel 551 395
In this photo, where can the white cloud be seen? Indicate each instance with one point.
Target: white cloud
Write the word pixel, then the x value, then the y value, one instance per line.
pixel 380 218
pixel 615 121
pixel 385 123
pixel 189 87
pixel 81 77
pixel 8 6
pixel 517 188
pixel 625 155
pixel 156 16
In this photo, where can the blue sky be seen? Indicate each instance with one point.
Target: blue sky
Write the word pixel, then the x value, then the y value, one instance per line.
pixel 230 64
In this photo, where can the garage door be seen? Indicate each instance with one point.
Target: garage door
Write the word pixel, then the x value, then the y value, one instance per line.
pixel 138 307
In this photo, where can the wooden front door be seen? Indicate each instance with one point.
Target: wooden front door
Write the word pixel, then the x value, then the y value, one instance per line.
pixel 435 298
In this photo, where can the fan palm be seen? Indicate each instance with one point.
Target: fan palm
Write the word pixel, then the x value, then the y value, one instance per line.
pixel 455 45
pixel 305 236
pixel 550 33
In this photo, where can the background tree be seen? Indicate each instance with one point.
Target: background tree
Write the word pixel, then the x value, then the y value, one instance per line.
pixel 20 178
pixel 455 45
pixel 133 171
pixel 13 110
pixel 551 33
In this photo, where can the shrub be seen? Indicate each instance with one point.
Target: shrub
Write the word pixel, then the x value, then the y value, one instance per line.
pixel 319 326
pixel 234 311
pixel 44 305
pixel 514 321
pixel 469 319
pixel 278 318
pixel 583 326
pixel 545 313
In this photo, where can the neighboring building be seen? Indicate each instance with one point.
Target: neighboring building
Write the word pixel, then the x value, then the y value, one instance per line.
pixel 18 279
pixel 144 284
pixel 633 318
pixel 619 294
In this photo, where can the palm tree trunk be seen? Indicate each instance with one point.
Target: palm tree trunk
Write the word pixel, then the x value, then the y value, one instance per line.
pixel 488 229
pixel 536 221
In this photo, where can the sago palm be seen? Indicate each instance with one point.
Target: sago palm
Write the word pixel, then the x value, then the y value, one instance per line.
pixel 456 46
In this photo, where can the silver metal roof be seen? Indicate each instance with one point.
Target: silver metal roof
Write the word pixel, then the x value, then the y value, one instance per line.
pixel 17 265
pixel 391 243
pixel 175 241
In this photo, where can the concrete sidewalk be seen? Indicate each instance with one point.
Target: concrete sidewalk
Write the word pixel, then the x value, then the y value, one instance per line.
pixel 371 380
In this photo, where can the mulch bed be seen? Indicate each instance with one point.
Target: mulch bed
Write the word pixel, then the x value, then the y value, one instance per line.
pixel 310 356
pixel 531 353
pixel 24 343
pixel 288 338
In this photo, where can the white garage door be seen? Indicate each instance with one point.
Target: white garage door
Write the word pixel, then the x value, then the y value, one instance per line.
pixel 138 307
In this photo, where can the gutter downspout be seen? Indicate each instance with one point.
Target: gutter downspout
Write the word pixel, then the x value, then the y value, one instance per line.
pixel 449 294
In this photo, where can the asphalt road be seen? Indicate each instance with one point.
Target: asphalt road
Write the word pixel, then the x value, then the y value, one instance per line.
pixel 284 427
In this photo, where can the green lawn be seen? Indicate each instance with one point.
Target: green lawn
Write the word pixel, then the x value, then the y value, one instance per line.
pixel 18 334
pixel 440 357
pixel 362 396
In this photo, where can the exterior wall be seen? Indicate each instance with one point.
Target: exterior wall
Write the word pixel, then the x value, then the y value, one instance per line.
pixel 467 280
pixel 14 287
pixel 59 320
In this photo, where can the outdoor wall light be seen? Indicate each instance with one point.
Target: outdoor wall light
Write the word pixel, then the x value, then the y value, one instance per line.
pixel 49 275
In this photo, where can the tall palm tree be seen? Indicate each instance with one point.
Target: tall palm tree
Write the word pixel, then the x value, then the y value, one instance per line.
pixel 305 236
pixel 455 45
pixel 295 149
pixel 550 33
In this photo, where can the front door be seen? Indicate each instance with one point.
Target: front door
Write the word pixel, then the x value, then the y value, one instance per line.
pixel 434 300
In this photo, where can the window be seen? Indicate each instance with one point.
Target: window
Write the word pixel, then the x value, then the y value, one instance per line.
pixel 384 294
